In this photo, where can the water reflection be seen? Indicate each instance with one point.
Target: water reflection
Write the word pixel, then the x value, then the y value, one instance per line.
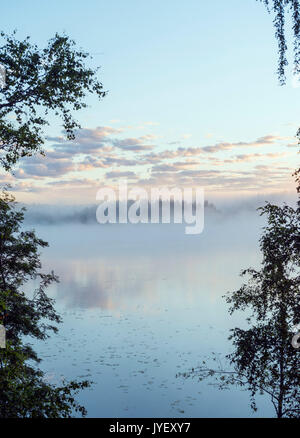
pixel 140 304
pixel 128 268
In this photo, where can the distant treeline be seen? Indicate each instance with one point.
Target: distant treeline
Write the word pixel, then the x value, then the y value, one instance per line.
pixel 57 214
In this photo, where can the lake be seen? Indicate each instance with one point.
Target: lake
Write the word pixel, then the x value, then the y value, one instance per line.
pixel 141 303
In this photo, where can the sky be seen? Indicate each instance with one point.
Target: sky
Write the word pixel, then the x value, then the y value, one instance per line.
pixel 193 100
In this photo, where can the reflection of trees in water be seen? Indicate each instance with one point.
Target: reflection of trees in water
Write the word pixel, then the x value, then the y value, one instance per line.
pixel 97 285
pixel 264 360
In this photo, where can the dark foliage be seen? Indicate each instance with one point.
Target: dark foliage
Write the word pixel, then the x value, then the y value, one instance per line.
pixel 54 79
pixel 280 8
pixel 24 390
pixel 263 360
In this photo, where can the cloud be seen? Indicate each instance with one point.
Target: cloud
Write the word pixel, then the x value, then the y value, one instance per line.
pixel 6 178
pixel 90 162
pixel 121 161
pixel 40 166
pixel 151 123
pixel 242 158
pixel 86 140
pixel 95 145
pixel 98 152
pixel 295 144
pixel 164 168
pixel 175 167
pixel 186 136
pixel 86 135
pixel 76 182
pixel 258 178
pixel 100 139
pixel 118 174
pixel 133 144
pixel 203 150
pixel 262 141
pixel 105 162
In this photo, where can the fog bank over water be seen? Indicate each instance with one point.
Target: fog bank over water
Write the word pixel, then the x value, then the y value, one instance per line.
pixel 51 214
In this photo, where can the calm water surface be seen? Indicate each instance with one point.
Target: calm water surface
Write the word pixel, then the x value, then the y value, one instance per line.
pixel 141 303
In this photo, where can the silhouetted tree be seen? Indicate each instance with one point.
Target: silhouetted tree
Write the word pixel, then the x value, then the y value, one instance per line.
pixel 264 360
pixel 280 7
pixel 24 390
pixel 38 82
